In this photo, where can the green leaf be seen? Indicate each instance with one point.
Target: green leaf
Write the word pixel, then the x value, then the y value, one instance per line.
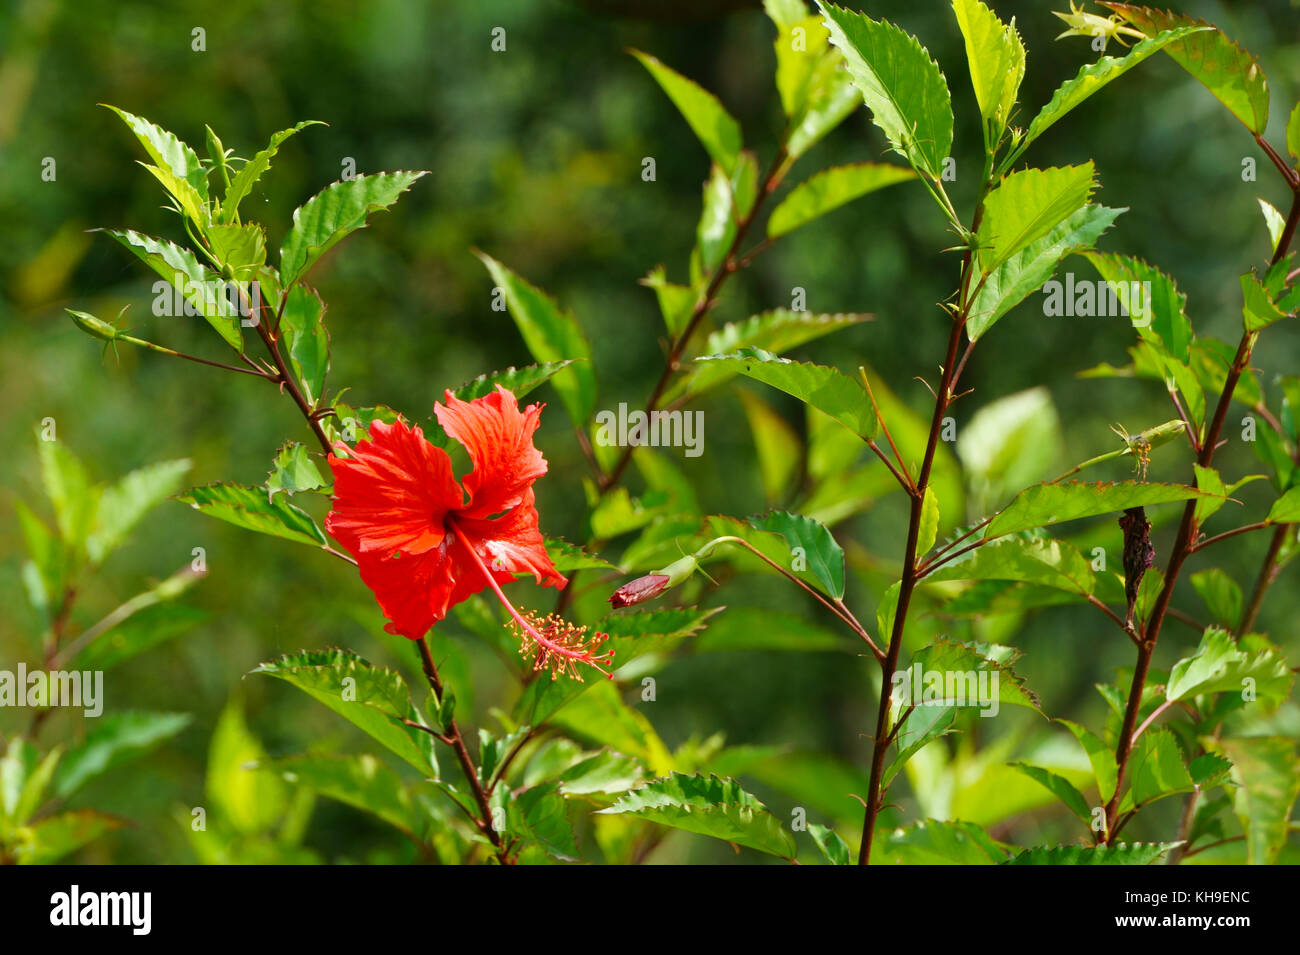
pixel 1009 443
pixel 902 85
pixel 1264 770
pixel 569 557
pixel 199 287
pixel 1104 769
pixel 997 64
pixel 360 781
pixel 1045 504
pixel 1060 787
pixel 676 302
pixel 1225 69
pixel 1135 853
pixel 708 806
pixel 1222 595
pixel 1028 557
pixel 1292 138
pixel 834 849
pixel 810 543
pixel 306 341
pixel 1150 298
pixel 816 93
pixel 334 213
pixel 177 165
pixel 253 170
pixel 551 335
pixel 829 189
pixel 928 529
pixel 912 741
pixel 241 247
pixel 1028 270
pixel 1156 768
pixel 517 381
pixel 963 662
pixel 293 470
pixel 1274 221
pixel 1258 310
pixel 1220 665
pixel 825 388
pixel 67 485
pixel 374 699
pixel 115 739
pixel 54 837
pixel 776 331
pixel 1089 80
pixel 934 842
pixel 727 200
pixel 246 795
pixel 252 509
pixel 1028 205
pixel 1286 509
pixel 123 504
pixel 716 130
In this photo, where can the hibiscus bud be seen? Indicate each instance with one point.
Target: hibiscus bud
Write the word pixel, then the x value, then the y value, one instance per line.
pixel 93 326
pixel 652 585
pixel 639 590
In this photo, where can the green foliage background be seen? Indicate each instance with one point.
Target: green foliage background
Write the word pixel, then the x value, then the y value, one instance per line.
pixel 536 157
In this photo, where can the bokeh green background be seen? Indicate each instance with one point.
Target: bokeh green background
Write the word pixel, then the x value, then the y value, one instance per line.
pixel 536 155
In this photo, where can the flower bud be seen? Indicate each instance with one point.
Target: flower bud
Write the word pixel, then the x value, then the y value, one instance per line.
pixel 652 585
pixel 93 326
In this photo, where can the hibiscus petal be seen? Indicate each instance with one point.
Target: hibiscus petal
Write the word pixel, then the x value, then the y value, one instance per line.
pixel 499 439
pixel 392 494
pixel 513 543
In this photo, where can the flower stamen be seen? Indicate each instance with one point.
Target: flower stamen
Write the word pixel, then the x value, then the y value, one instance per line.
pixel 553 642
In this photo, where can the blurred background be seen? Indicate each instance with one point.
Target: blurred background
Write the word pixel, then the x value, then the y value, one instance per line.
pixel 536 156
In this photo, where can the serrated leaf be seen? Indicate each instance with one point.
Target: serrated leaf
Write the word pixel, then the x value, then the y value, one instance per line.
pixel 124 503
pixel 1151 300
pixel 1058 786
pixel 776 331
pixel 250 508
pixel 1091 78
pixel 811 543
pixel 1221 66
pixel 1136 853
pixel 829 189
pixel 306 341
pixel 833 849
pixel 708 806
pixel 960 665
pixel 1286 509
pixel 293 470
pixel 551 335
pixel 902 85
pixel 928 529
pixel 1028 270
pixel 374 699
pixel 178 166
pixel 1219 665
pixel 1258 309
pixel 199 287
pixel 1026 557
pixel 1156 769
pixel 1104 769
pixel 1045 504
pixel 715 128
pixel 826 389
pixel 935 842
pixel 518 381
pixel 253 170
pixel 816 92
pixel 1264 770
pixel 569 557
pixel 996 57
pixel 1028 205
pixel 335 212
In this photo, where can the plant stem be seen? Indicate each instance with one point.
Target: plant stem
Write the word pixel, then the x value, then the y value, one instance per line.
pixel 457 743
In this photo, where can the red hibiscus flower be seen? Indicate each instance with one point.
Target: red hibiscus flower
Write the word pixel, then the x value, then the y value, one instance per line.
pixel 423 542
